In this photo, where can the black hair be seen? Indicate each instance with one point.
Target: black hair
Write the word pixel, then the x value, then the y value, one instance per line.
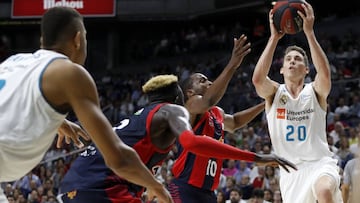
pixel 238 190
pixel 259 193
pixel 59 24
pixel 168 93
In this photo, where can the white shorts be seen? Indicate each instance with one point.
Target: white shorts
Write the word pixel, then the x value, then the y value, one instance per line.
pixel 299 186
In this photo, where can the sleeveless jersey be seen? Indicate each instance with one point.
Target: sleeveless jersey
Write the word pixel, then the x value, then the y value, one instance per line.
pixel 89 171
pixel 297 126
pixel 199 171
pixel 28 124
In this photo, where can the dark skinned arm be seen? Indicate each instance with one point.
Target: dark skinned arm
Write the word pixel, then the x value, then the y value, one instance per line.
pixel 198 104
pixel 178 117
pixel 240 119
pixel 66 84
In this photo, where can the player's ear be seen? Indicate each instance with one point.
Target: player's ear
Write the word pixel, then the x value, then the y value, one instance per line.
pixel 189 93
pixel 77 40
pixel 281 70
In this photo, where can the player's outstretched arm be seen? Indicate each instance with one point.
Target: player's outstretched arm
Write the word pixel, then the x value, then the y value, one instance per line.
pixel 69 85
pixel 241 118
pixel 198 105
pixel 178 117
pixel 273 159
pixel 265 87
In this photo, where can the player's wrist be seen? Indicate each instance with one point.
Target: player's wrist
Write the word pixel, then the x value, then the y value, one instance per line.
pixel 258 158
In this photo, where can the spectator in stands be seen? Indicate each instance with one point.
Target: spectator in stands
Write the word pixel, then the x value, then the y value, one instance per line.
pixel 235 196
pixel 230 169
pixel 348 187
pixel 337 132
pixel 354 110
pixel 246 187
pixel 28 183
pixel 258 181
pixel 270 174
pixel 355 147
pixel 243 170
pixel 344 152
pixel 268 195
pixel 220 197
pixel 342 108
pixel 258 197
pixel 230 184
pixel 277 197
pixel 10 198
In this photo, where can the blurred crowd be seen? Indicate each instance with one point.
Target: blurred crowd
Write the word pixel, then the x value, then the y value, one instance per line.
pixel 121 95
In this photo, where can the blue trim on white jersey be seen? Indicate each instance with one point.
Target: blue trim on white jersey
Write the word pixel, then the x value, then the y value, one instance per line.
pixel 40 82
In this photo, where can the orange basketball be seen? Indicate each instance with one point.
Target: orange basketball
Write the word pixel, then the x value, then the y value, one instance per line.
pixel 285 16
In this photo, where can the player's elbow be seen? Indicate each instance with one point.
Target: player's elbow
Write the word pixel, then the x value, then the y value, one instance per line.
pixel 121 161
pixel 257 80
pixel 188 140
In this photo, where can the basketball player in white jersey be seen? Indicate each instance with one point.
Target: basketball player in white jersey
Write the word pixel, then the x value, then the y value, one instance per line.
pixel 296 114
pixel 38 89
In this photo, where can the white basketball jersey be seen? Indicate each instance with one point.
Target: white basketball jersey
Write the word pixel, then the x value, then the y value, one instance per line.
pixel 297 126
pixel 28 124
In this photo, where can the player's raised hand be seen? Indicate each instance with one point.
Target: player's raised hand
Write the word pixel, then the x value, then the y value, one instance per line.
pixel 308 18
pixel 159 193
pixel 273 159
pixel 71 132
pixel 274 32
pixel 240 50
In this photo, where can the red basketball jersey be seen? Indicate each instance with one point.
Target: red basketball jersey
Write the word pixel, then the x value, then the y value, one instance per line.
pixel 199 171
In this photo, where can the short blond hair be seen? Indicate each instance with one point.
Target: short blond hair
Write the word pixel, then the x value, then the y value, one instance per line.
pixel 159 82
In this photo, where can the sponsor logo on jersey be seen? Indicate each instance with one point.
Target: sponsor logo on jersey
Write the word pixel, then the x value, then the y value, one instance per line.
pixel 283 99
pixel 280 113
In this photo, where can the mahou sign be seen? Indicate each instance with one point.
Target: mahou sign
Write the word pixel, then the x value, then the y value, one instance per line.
pixel 88 8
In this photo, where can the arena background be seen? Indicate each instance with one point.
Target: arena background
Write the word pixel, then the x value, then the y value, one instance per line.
pixel 147 37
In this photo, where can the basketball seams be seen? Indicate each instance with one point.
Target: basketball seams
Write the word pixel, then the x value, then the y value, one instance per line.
pixel 280 9
pixel 296 19
pixel 285 16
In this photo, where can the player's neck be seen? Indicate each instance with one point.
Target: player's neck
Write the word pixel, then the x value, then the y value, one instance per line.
pixel 294 88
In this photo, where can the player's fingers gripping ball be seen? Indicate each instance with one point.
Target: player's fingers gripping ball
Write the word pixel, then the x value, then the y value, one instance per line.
pixel 285 16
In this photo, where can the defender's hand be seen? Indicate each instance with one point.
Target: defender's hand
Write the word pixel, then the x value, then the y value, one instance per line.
pixel 71 132
pixel 272 159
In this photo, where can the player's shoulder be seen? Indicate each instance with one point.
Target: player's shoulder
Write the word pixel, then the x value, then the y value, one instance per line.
pixel 65 65
pixel 66 70
pixel 173 109
pixel 170 106
pixel 217 108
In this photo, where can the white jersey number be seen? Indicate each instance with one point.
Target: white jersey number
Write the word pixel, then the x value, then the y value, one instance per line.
pixel 122 124
pixel 211 168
